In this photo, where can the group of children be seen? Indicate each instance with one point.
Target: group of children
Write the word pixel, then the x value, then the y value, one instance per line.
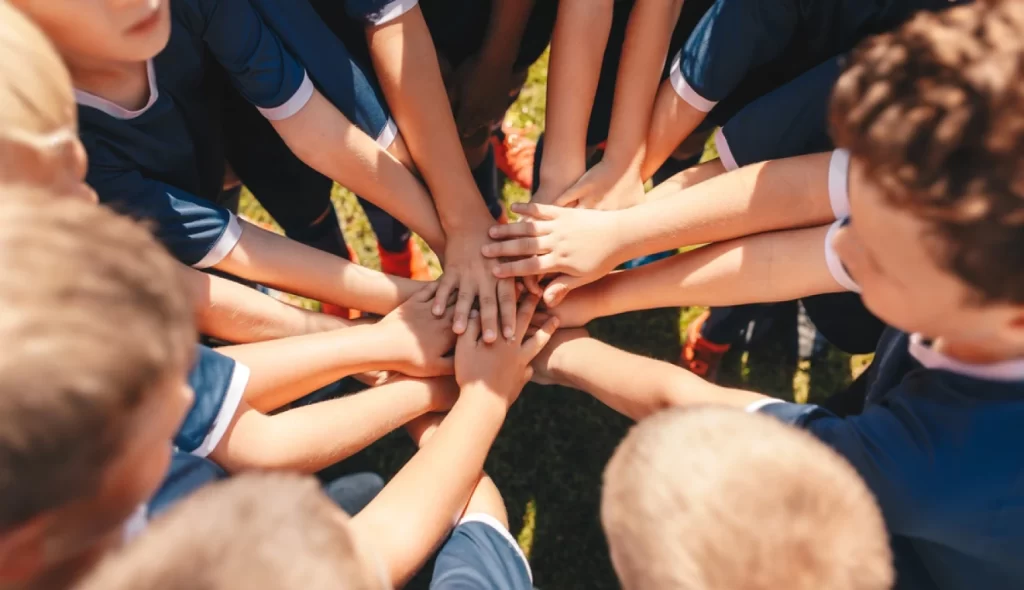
pixel 870 164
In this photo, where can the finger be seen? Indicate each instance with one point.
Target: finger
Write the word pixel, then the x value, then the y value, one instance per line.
pixel 557 289
pixel 489 312
pixel 520 287
pixel 517 247
pixel 445 288
pixel 526 311
pixel 534 265
pixel 535 210
pixel 519 229
pixel 569 197
pixel 539 317
pixel 463 305
pixel 427 292
pixel 472 331
pixel 532 284
pixel 507 297
pixel 533 346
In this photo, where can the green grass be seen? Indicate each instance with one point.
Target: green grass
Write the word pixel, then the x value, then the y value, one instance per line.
pixel 550 455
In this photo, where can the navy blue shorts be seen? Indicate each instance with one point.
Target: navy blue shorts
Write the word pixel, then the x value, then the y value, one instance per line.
pixel 789 121
pixel 479 555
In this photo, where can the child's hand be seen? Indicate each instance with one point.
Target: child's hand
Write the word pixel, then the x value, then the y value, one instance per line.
pixel 504 366
pixel 579 308
pixel 421 339
pixel 605 188
pixel 578 243
pixel 545 366
pixel 468 273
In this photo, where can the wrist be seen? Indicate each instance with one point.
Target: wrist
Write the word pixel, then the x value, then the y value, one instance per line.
pixel 485 399
pixel 472 220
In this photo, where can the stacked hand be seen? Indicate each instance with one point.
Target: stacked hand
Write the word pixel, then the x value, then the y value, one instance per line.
pixel 501 368
pixel 578 244
pixel 420 339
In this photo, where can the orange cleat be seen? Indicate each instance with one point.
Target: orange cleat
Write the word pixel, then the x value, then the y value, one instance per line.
pixel 701 356
pixel 513 155
pixel 337 310
pixel 409 264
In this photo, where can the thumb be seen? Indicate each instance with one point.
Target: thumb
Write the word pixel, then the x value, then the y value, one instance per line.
pixel 557 289
pixel 572 195
pixel 443 366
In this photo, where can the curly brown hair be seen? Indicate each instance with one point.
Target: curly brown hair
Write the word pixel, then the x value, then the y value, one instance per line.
pixel 934 111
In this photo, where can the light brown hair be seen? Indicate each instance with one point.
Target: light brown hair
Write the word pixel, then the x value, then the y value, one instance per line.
pixel 268 531
pixel 934 111
pixel 719 499
pixel 93 320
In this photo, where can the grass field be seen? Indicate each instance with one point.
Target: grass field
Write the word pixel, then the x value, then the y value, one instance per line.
pixel 550 455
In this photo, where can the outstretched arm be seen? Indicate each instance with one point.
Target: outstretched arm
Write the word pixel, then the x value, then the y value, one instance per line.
pixel 406 64
pixel 236 313
pixel 632 385
pixel 276 261
pixel 779 266
pixel 577 51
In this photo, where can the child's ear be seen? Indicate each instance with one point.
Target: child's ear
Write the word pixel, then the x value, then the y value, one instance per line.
pixel 22 554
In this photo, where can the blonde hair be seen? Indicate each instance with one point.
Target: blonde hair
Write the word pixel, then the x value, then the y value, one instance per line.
pixel 36 94
pixel 94 322
pixel 718 499
pixel 254 531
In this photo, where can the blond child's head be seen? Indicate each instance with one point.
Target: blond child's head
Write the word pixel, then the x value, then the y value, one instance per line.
pixel 39 143
pixel 255 531
pixel 98 338
pixel 718 499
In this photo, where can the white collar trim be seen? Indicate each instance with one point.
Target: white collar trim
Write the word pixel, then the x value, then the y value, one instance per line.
pixel 1012 370
pixel 117 111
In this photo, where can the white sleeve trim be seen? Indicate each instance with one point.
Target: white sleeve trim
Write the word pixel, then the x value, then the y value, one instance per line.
pixel 388 135
pixel 232 399
pixel 839 183
pixel 835 266
pixel 225 244
pixel 724 151
pixel 393 10
pixel 136 523
pixel 495 524
pixel 762 403
pixel 685 91
pixel 293 104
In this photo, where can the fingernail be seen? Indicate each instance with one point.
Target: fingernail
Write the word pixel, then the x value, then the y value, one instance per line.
pixel 487 249
pixel 474 313
pixel 459 327
pixel 489 335
pixel 493 232
pixel 509 333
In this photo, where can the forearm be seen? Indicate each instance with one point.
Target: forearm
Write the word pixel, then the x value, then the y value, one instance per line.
pixel 405 61
pixel 313 437
pixel 505 32
pixel 276 261
pixel 633 385
pixel 672 121
pixel 411 516
pixel 648 35
pixel 769 196
pixel 323 138
pixel 577 51
pixel 779 266
pixel 282 371
pixel 236 313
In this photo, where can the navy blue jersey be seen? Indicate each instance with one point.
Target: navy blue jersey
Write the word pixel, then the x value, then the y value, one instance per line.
pixel 481 555
pixel 764 43
pixel 165 162
pixel 218 382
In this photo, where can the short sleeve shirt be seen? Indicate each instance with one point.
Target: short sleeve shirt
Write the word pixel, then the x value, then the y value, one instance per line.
pixel 481 555
pixel 939 444
pixel 218 383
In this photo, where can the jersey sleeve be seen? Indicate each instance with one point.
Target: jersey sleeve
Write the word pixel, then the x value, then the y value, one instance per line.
pixel 732 38
pixel 481 555
pixel 378 12
pixel 256 60
pixel 218 382
pixel 886 445
pixel 195 230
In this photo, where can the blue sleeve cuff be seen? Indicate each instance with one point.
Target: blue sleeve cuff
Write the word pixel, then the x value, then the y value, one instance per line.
pixel 790 413
pixel 218 382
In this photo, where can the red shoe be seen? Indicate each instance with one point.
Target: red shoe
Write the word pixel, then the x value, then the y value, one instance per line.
pixel 409 264
pixel 701 356
pixel 514 156
pixel 337 310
